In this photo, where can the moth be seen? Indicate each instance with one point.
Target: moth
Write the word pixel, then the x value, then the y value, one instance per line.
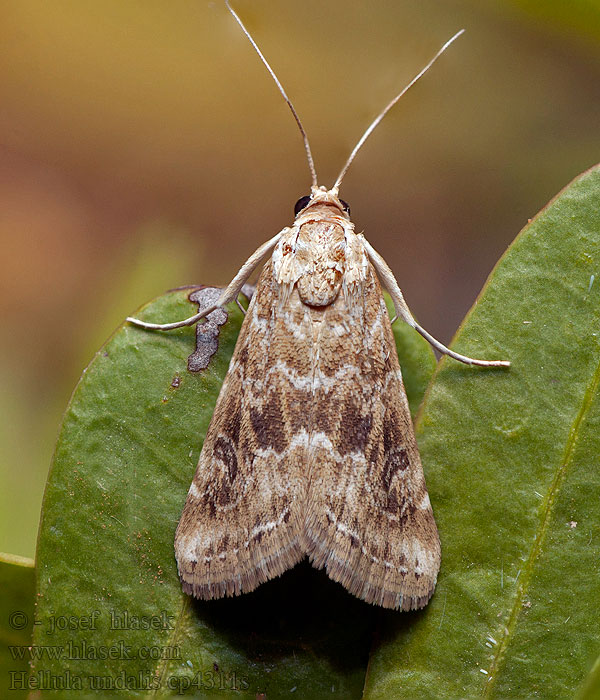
pixel 311 450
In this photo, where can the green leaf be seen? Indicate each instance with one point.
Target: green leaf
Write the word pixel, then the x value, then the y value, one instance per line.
pixel 511 459
pixel 17 583
pixel 590 689
pixel 124 460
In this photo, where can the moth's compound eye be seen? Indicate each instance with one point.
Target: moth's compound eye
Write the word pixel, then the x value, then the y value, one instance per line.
pixel 301 204
pixel 346 206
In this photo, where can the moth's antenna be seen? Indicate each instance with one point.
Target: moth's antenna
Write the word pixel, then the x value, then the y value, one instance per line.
pixel 382 114
pixel 311 162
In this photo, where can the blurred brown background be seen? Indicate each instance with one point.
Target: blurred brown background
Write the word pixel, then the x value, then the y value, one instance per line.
pixel 143 146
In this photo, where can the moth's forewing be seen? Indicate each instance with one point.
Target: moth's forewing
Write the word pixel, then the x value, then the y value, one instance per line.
pixel 369 520
pixel 242 521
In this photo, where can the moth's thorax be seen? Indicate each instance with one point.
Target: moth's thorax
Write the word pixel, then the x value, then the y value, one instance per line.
pixel 319 255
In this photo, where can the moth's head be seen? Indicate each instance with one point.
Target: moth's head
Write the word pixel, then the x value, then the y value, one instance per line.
pixel 322 197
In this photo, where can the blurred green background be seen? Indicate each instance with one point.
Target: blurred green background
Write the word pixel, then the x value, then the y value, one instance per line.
pixel 143 146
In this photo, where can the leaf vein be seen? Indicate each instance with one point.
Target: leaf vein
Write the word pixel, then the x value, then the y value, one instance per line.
pixel 540 535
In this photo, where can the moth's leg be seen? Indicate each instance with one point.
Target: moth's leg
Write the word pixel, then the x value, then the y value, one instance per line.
pixel 403 312
pixel 229 294
pixel 457 356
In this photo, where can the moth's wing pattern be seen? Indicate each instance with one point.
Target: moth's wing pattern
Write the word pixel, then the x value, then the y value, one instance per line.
pixel 243 519
pixel 369 520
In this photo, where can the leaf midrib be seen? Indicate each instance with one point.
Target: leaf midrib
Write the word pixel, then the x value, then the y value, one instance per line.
pixel 163 664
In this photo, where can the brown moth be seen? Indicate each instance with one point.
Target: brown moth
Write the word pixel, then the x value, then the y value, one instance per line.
pixel 311 450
